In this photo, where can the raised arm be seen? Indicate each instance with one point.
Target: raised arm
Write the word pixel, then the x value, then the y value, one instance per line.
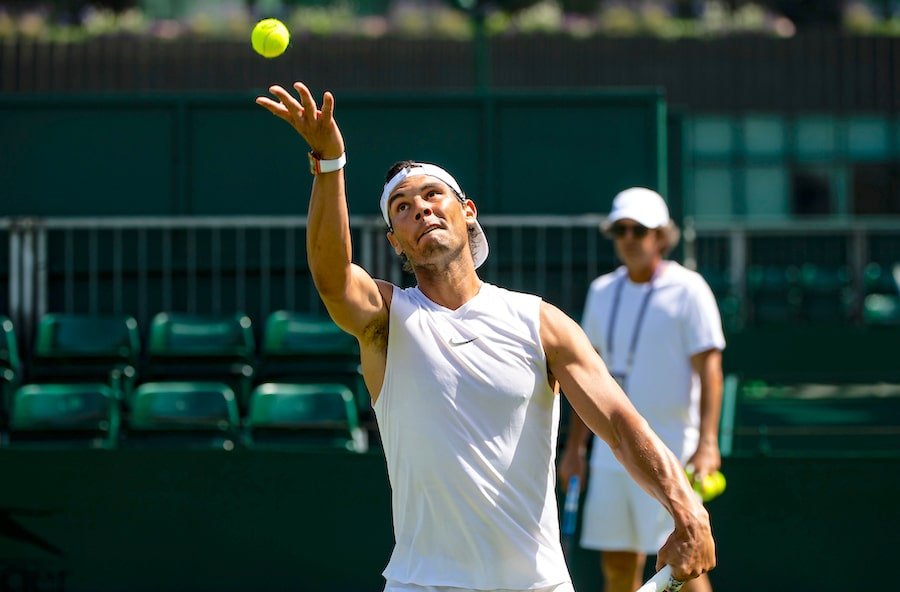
pixel 605 409
pixel 354 300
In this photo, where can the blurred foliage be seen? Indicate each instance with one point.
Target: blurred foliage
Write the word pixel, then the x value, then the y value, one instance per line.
pixel 77 20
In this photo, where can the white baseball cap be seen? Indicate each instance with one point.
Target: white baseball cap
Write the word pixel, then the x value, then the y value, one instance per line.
pixel 479 240
pixel 644 206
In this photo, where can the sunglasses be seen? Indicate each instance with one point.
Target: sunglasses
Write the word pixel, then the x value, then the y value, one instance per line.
pixel 620 230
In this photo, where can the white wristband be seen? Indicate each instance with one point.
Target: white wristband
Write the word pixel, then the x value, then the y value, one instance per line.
pixel 317 166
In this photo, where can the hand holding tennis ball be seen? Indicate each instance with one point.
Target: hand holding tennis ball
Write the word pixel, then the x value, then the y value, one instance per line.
pixel 270 38
pixel 710 486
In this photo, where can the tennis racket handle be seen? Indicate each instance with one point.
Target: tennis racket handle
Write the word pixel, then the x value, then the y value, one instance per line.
pixel 570 508
pixel 662 582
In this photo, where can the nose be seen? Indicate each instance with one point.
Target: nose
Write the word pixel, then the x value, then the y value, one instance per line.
pixel 424 208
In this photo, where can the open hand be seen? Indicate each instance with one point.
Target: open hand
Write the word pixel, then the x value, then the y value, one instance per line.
pixel 317 127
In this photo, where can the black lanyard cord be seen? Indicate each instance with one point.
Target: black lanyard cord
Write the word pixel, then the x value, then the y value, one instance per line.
pixel 613 317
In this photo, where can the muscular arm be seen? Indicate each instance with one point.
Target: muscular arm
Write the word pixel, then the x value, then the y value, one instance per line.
pixel 708 366
pixel 605 409
pixel 354 300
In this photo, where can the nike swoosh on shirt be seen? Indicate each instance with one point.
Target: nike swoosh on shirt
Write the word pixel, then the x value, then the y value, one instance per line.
pixel 457 343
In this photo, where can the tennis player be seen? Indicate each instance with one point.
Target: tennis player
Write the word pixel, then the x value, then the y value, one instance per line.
pixel 464 378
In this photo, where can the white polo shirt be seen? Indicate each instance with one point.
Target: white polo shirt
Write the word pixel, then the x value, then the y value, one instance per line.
pixel 681 319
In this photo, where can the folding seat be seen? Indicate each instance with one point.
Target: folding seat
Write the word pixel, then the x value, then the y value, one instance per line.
pixel 202 348
pixel 881 309
pixel 10 368
pixel 881 298
pixel 86 348
pixel 75 414
pixel 307 415
pixel 183 414
pixel 301 349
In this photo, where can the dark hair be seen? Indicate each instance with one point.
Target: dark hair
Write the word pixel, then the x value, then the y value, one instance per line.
pixel 405 164
pixel 396 168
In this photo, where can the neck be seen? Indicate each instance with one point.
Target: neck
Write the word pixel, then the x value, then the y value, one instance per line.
pixel 641 274
pixel 450 287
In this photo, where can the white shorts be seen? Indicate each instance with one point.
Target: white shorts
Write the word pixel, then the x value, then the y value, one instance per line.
pixel 401 587
pixel 620 516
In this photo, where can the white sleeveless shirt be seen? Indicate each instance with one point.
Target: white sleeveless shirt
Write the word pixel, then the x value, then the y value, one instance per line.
pixel 469 426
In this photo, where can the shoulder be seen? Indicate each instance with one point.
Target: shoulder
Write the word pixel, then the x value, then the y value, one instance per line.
pixel 561 337
pixel 513 300
pixel 687 280
pixel 555 324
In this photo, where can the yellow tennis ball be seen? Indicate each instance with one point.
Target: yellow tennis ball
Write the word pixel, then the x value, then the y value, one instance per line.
pixel 710 487
pixel 270 38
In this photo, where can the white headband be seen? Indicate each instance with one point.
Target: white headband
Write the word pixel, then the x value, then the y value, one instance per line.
pixel 479 240
pixel 418 168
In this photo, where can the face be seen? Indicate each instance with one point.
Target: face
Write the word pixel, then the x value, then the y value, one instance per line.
pixel 636 245
pixel 429 223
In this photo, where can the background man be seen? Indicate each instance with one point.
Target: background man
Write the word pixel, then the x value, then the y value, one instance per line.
pixel 657 327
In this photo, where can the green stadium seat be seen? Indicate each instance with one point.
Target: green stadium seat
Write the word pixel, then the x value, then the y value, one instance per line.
pixel 183 414
pixel 301 348
pixel 314 415
pixel 10 368
pixel 79 414
pixel 881 309
pixel 202 348
pixel 289 333
pixel 87 348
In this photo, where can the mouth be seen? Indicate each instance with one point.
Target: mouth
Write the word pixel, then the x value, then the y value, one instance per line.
pixel 428 231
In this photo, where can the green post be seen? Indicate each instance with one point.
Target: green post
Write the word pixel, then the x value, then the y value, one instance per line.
pixel 482 51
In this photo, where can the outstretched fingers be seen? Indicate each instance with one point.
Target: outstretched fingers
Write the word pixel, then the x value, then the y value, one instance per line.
pixel 306 99
pixel 318 128
pixel 287 99
pixel 327 107
pixel 274 107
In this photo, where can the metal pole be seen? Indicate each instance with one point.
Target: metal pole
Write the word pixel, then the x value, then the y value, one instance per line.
pixel 27 278
pixel 690 244
pixel 41 271
pixel 858 255
pixel 15 273
pixel 482 51
pixel 738 263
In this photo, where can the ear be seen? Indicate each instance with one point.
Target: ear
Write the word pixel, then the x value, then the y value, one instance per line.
pixel 470 210
pixel 394 243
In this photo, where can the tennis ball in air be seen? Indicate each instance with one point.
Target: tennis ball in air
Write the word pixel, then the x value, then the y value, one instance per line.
pixel 270 38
